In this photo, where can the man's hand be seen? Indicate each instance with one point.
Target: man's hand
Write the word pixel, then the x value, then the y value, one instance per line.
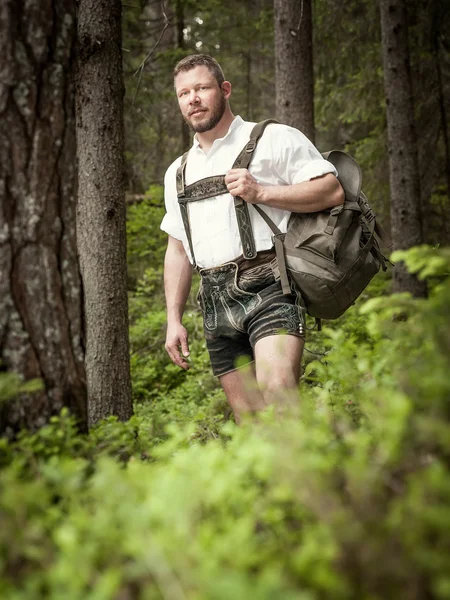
pixel 176 338
pixel 241 183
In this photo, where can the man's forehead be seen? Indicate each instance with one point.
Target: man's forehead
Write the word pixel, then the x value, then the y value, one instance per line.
pixel 197 74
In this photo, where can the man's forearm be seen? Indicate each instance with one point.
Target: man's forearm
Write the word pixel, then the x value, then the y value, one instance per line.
pixel 177 280
pixel 317 194
pixel 309 196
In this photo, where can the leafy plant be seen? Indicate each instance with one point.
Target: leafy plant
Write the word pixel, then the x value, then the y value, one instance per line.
pixel 344 496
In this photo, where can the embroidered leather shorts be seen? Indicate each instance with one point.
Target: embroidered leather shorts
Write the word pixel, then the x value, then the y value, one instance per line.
pixel 242 302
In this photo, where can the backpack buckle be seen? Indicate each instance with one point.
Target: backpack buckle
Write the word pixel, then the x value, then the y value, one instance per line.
pixel 336 210
pixel 250 146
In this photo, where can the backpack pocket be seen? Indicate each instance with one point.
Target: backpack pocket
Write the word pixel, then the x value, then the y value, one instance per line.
pixel 320 233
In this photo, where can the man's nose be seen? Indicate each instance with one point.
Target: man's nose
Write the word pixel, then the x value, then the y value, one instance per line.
pixel 193 97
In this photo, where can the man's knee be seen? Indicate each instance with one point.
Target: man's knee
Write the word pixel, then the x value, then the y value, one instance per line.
pixel 242 391
pixel 278 383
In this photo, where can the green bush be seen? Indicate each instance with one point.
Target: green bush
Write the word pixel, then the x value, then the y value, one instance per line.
pixel 146 243
pixel 347 496
pixel 162 392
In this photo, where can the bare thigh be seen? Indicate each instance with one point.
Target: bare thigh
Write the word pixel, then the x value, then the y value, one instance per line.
pixel 278 362
pixel 242 391
pixel 272 378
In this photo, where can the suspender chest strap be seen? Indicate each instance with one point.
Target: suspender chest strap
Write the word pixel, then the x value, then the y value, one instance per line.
pixel 215 186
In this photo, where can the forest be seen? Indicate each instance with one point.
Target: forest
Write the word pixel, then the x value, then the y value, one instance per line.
pixel 123 477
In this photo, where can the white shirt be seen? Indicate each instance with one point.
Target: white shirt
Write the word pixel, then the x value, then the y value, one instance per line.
pixel 283 156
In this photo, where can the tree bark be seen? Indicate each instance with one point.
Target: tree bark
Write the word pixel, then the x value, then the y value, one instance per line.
pixel 101 207
pixel 404 175
pixel 294 77
pixel 441 96
pixel 40 290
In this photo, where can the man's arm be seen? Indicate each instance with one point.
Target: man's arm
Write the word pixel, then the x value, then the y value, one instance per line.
pixel 314 195
pixel 177 284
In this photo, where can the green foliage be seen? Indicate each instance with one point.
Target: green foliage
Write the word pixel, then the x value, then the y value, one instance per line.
pixel 163 393
pixel 345 496
pixel 425 261
pixel 146 243
pixel 11 385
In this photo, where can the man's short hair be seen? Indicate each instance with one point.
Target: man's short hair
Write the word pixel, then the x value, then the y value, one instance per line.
pixel 200 60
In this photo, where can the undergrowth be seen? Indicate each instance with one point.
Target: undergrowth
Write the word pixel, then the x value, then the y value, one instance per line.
pixel 347 496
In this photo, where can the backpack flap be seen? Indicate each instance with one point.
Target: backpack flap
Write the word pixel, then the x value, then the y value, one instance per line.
pixel 349 173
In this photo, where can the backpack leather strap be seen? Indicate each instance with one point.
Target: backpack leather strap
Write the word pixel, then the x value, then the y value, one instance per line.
pixel 278 239
pixel 369 215
pixel 241 207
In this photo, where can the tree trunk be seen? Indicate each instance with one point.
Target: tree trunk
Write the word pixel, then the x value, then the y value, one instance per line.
pixel 40 289
pixel 294 78
pixel 101 208
pixel 404 175
pixel 441 96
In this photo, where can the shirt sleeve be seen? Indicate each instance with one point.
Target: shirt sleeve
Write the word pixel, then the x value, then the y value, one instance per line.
pixel 295 158
pixel 172 222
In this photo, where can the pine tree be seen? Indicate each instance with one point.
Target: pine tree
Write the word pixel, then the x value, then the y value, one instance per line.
pixel 404 174
pixel 41 333
pixel 101 207
pixel 294 64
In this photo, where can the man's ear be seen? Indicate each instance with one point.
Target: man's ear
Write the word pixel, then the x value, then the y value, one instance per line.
pixel 226 89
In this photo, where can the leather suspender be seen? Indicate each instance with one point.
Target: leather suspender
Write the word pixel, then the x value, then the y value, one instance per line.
pixel 215 186
pixel 200 190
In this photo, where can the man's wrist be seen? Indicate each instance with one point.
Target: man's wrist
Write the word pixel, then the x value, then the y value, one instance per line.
pixel 263 195
pixel 174 317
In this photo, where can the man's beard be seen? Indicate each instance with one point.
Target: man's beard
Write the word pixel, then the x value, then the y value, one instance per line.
pixel 216 114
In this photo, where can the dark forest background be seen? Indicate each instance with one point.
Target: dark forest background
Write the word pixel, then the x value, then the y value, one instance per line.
pixel 349 97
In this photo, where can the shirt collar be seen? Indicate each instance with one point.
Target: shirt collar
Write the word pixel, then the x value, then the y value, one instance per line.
pixel 235 124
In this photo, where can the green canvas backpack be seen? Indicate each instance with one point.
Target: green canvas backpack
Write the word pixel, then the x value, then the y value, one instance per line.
pixel 330 256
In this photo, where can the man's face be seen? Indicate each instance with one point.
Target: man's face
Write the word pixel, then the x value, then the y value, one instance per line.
pixel 202 102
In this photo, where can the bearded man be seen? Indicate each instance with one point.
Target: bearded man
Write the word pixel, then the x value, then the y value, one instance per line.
pixel 245 312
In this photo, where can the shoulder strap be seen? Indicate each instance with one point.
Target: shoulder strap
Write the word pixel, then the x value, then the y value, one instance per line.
pixel 180 180
pixel 212 186
pixel 245 156
pixel 241 207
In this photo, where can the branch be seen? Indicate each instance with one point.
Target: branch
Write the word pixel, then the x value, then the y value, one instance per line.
pixel 294 32
pixel 141 67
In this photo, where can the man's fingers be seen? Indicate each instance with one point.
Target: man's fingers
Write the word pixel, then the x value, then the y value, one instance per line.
pixel 238 190
pixel 235 174
pixel 173 350
pixel 232 186
pixel 177 359
pixel 185 346
pixel 181 362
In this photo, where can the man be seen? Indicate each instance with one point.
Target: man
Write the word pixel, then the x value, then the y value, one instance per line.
pixel 244 309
